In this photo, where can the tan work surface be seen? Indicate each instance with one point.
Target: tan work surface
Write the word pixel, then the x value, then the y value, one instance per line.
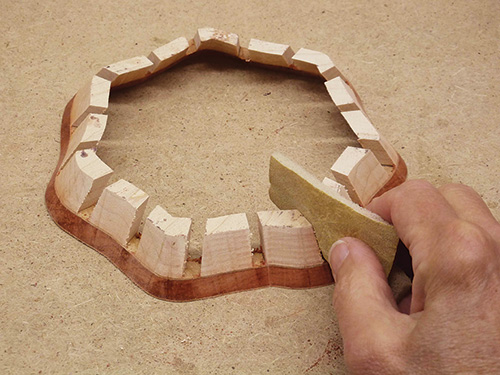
pixel 427 74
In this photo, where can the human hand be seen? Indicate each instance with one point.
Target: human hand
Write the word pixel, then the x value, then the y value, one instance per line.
pixel 453 326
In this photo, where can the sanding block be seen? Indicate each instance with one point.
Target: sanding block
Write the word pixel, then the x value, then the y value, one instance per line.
pixel 331 215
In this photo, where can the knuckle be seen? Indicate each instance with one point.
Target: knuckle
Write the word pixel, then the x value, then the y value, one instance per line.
pixel 473 238
pixel 409 188
pixel 472 251
pixel 453 188
pixel 412 188
pixel 418 185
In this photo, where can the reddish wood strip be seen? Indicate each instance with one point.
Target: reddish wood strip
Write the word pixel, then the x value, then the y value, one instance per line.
pixel 192 288
pixel 173 289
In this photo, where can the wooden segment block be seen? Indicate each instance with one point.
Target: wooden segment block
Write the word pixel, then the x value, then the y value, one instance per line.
pixel 126 71
pixel 316 63
pixel 342 95
pixel 226 246
pixel 119 211
pixel 332 216
pixel 87 135
pixel 82 180
pixel 268 53
pixel 169 54
pixel 382 149
pixel 338 188
pixel 361 173
pixel 91 98
pixel 360 124
pixel 163 248
pixel 217 40
pixel 288 239
pixel 370 138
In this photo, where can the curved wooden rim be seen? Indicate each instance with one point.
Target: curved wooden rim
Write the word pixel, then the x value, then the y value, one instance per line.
pixel 183 289
pixel 172 289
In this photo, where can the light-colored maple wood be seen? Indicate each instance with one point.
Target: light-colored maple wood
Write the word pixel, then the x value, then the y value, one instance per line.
pixel 191 286
pixel 381 148
pixel 331 215
pixel 82 180
pixel 168 54
pixel 361 173
pixel 226 245
pixel 370 138
pixel 269 53
pixel 91 98
pixel 163 248
pixel 288 239
pixel 119 211
pixel 338 188
pixel 147 263
pixel 217 40
pixel 360 124
pixel 342 95
pixel 126 71
pixel 316 63
pixel 87 135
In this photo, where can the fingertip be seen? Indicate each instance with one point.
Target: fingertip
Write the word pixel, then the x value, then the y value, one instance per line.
pixel 363 257
pixel 362 299
pixel 361 283
pixel 337 254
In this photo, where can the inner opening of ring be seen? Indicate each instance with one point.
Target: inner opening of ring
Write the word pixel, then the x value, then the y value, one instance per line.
pixel 198 137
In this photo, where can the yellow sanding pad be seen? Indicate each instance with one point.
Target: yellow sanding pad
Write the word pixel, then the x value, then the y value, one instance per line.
pixel 331 215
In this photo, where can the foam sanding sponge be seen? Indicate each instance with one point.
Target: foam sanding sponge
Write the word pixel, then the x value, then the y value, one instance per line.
pixel 331 215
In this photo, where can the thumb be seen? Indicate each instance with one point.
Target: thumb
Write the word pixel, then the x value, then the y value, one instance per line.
pixel 366 310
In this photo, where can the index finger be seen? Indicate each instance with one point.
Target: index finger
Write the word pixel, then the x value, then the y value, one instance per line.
pixel 419 213
pixel 469 206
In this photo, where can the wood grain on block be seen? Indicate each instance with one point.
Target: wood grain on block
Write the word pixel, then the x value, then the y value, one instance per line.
pixel 226 246
pixel 119 211
pixel 331 215
pixel 361 173
pixel 82 180
pixel 338 188
pixel 163 248
pixel 342 95
pixel 217 40
pixel 288 239
pixel 87 135
pixel 370 138
pixel 316 63
pixel 269 53
pixel 360 124
pixel 126 71
pixel 169 54
pixel 91 98
pixel 382 149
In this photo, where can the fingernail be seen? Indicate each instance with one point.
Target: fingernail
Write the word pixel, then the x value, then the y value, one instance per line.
pixel 338 252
